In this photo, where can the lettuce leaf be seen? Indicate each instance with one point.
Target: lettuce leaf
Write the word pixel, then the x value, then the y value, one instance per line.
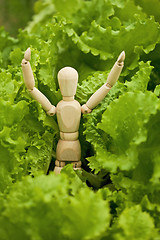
pixel 119 139
pixel 60 202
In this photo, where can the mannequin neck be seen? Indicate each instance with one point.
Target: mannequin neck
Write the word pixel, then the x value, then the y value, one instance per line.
pixel 68 98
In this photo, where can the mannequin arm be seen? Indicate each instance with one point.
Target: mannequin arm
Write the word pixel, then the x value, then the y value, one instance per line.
pixel 100 94
pixel 30 84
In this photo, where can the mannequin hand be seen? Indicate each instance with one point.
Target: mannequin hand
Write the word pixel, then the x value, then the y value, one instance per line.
pixel 121 58
pixel 27 56
pixel 85 109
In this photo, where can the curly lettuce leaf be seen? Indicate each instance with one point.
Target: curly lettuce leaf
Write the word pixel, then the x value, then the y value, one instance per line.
pixel 120 138
pixel 150 8
pixel 44 202
pixel 124 122
pixel 139 81
pixel 101 34
pixel 11 145
pixel 135 224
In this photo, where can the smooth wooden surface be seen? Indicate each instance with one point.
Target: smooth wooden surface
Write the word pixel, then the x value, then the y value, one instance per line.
pixel 68 116
pixel 52 111
pixel 68 98
pixel 69 136
pixel 28 75
pixel 67 79
pixel 121 57
pixel 97 97
pixel 116 70
pixel 59 163
pixel 68 150
pixel 37 95
pixel 57 170
pixel 76 164
pixel 62 164
pixel 114 74
pixel 27 55
pixel 30 84
pixel 85 109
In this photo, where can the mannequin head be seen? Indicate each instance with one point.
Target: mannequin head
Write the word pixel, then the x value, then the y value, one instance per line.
pixel 67 79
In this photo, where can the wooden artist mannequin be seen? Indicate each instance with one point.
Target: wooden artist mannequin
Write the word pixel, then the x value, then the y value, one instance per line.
pixel 69 110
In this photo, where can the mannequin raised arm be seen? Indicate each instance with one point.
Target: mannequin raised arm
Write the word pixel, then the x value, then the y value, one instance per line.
pixel 100 94
pixel 30 84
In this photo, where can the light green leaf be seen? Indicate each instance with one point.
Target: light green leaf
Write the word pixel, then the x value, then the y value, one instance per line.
pixel 124 122
pixel 140 80
pixel 44 202
pixel 157 90
pixel 16 57
pixel 135 224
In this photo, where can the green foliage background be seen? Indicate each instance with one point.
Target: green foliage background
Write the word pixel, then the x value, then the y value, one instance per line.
pixel 117 194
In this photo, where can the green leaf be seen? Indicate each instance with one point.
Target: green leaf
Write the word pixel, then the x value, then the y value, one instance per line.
pixel 135 224
pixel 140 80
pixel 124 122
pixel 16 57
pixel 12 114
pixel 39 154
pixel 7 86
pixel 120 138
pixel 44 202
pixel 64 7
pixel 157 90
pixel 151 8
